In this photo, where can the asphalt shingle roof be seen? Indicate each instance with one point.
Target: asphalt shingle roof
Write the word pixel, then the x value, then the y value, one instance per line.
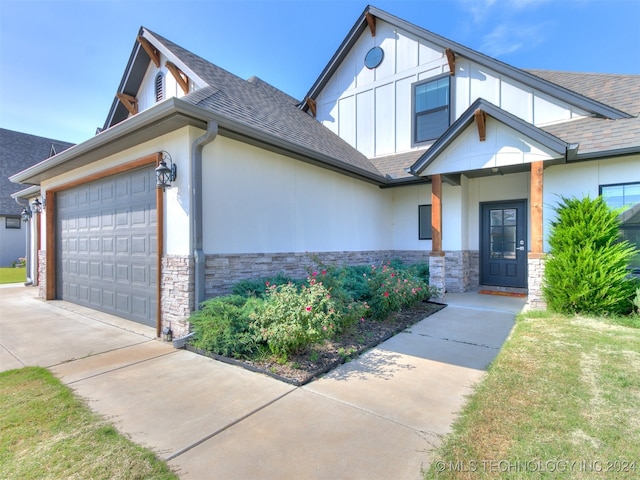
pixel 595 134
pixel 17 152
pixel 265 109
pixel 619 91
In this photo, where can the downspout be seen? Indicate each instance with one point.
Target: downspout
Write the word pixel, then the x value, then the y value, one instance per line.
pixel 23 202
pixel 197 210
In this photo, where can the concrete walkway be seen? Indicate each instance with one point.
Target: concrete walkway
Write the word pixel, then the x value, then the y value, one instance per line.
pixel 377 417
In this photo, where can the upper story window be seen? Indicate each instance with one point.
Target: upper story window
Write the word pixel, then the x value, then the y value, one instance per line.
pixel 159 87
pixel 431 116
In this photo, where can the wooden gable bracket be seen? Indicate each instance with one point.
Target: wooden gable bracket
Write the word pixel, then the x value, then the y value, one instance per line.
pixel 152 51
pixel 312 105
pixel 129 102
pixel 371 21
pixel 451 58
pixel 481 120
pixel 180 77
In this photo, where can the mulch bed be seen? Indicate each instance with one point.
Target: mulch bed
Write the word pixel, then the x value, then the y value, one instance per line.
pixel 319 359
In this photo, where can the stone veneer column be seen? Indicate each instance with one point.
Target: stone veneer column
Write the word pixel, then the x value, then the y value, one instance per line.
pixel 42 273
pixel 437 262
pixel 535 299
pixel 178 292
pixel 458 271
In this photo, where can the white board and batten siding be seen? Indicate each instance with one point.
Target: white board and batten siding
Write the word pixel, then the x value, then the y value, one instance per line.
pixel 372 110
pixel 147 91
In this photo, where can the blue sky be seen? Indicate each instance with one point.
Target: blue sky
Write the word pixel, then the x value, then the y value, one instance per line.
pixel 61 61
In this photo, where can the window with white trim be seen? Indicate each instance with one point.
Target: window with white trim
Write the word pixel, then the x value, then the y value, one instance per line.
pixel 431 108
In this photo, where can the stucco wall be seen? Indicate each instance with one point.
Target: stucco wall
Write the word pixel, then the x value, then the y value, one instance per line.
pixel 257 201
pixel 582 179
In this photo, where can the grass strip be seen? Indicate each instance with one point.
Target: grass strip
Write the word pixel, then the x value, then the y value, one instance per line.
pixel 48 433
pixel 561 399
pixel 12 275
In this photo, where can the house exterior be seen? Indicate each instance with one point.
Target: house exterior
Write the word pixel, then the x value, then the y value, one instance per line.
pixel 407 146
pixel 17 152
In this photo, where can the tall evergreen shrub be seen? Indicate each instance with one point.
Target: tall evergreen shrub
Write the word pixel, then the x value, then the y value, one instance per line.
pixel 586 270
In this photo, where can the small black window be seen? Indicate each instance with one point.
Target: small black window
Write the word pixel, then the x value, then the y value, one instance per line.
pixel 431 100
pixel 424 222
pixel 159 87
pixel 12 222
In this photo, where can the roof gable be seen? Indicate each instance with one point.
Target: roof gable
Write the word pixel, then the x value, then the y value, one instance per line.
pixel 552 146
pixel 521 76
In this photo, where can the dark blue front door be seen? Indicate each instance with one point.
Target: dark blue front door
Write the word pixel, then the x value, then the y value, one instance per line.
pixel 503 236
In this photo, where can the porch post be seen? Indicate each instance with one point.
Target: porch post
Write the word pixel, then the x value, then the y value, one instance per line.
pixel 437 274
pixel 536 257
pixel 436 213
pixel 537 181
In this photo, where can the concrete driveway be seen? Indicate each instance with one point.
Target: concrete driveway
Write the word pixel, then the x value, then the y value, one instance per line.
pixel 377 417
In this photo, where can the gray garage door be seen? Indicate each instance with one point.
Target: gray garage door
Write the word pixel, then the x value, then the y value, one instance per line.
pixel 106 245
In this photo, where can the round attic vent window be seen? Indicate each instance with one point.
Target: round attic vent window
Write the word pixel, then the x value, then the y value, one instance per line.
pixel 374 57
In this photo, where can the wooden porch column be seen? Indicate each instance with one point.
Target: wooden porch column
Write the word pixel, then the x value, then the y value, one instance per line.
pixel 436 213
pixel 50 252
pixel 537 181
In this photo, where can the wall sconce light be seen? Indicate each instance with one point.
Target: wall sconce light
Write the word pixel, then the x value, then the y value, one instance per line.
pixel 165 174
pixel 167 333
pixel 37 206
pixel 26 214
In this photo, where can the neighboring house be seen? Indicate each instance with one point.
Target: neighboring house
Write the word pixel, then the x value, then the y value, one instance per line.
pixel 407 146
pixel 17 152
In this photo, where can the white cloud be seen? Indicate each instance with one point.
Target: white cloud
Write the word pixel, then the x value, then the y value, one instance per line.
pixel 507 38
pixel 482 10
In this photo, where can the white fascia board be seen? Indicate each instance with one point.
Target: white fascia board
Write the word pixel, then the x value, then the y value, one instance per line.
pixel 104 143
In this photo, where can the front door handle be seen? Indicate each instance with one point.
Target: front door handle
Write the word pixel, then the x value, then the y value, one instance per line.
pixel 520 248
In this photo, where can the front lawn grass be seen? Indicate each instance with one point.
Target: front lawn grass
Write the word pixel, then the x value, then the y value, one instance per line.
pixel 12 275
pixel 563 389
pixel 47 433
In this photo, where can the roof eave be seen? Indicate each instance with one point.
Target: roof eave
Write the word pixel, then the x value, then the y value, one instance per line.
pixel 28 192
pixel 158 120
pixel 614 152
pixel 167 116
pixel 245 133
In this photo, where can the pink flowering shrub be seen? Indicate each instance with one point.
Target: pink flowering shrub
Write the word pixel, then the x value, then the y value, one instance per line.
pixel 393 289
pixel 291 318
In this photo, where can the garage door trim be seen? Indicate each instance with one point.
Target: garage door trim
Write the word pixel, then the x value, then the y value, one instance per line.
pixel 50 209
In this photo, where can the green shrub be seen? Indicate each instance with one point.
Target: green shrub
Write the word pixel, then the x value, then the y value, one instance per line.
pixel 586 270
pixel 354 282
pixel 292 318
pixel 223 326
pixel 257 287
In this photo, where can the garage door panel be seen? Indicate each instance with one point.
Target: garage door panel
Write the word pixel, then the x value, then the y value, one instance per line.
pixel 122 302
pixel 96 296
pixel 83 293
pixel 122 218
pixel 107 245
